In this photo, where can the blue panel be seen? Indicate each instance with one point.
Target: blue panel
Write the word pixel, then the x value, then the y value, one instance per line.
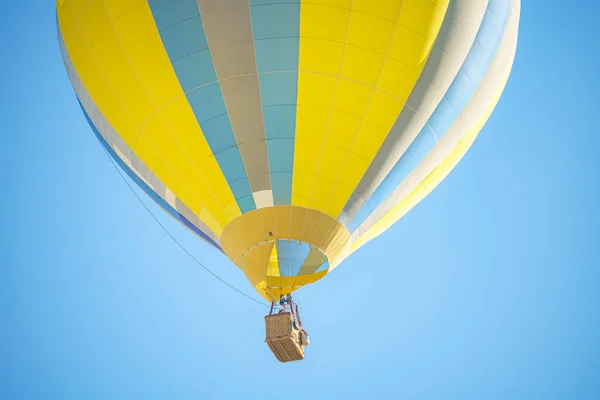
pixel 278 91
pixel 265 2
pixel 277 121
pixel 281 164
pixel 231 164
pixel 401 170
pixel 363 213
pixel 219 134
pixel 291 256
pixel 279 54
pixel 278 88
pixel 246 204
pixel 455 100
pixel 282 187
pixel 276 31
pixel 169 12
pixel 182 34
pixel 444 112
pixel 176 38
pixel 422 144
pixel 207 102
pixel 477 53
pixel 279 151
pixel 275 20
pixel 195 70
pixel 147 189
pixel 240 188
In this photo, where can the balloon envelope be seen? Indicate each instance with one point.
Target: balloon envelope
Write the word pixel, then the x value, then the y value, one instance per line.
pixel 287 134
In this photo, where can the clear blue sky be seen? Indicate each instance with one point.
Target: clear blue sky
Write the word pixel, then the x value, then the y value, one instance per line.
pixel 494 280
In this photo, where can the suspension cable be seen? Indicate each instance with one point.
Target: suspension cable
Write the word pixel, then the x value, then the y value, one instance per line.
pixel 307 292
pixel 174 239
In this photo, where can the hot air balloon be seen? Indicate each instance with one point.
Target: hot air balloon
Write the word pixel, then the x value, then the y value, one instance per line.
pixel 287 133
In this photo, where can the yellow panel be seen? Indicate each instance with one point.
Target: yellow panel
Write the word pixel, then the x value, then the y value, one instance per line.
pixel 141 53
pixel 305 165
pixel 182 167
pixel 352 97
pixel 143 145
pixel 92 20
pixel 118 54
pixel 386 9
pixel 67 18
pixel 133 25
pixel 303 182
pixel 408 47
pixel 383 110
pixel 295 282
pixel 231 210
pixel 298 217
pixel 245 235
pixel 77 6
pixel 354 169
pixel 155 133
pixel 338 241
pixel 208 218
pixel 171 110
pixel 331 159
pixel 390 83
pixel 119 7
pixel 334 3
pixel 126 86
pixel 194 178
pixel 315 89
pixel 371 32
pixel 368 140
pixel 273 269
pixel 106 50
pixel 320 194
pixel 361 65
pixel 256 262
pixel 330 239
pixel 267 220
pixel 309 228
pixel 340 127
pixel 325 57
pixel 323 228
pixel 283 218
pixel 300 201
pixel 387 44
pixel 423 16
pixel 311 123
pixel 325 21
pixel 351 174
pixel 339 197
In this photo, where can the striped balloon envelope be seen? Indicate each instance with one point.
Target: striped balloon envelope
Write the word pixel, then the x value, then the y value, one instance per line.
pixel 287 133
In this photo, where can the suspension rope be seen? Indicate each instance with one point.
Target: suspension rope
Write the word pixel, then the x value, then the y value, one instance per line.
pixel 307 292
pixel 174 239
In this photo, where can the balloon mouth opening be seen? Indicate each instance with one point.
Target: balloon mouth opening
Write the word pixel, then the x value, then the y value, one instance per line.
pixel 290 265
pixel 282 248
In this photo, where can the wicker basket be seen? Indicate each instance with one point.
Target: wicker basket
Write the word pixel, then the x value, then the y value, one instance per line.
pixel 282 338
